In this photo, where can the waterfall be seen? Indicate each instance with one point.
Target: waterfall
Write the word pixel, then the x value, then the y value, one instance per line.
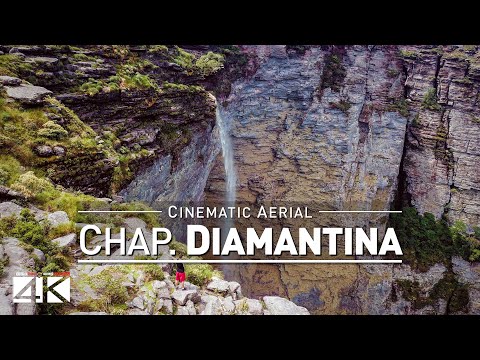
pixel 230 180
pixel 228 160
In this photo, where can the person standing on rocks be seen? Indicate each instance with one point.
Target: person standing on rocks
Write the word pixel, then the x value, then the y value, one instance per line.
pixel 180 276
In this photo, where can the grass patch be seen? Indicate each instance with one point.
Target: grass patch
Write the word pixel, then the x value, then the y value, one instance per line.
pixel 153 272
pixel 200 274
pixel 13 65
pixel 113 294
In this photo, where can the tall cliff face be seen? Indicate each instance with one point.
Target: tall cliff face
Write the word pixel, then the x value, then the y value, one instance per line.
pixel 329 124
pixel 442 152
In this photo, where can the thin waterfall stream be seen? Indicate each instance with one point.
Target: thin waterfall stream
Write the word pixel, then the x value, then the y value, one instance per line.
pixel 230 172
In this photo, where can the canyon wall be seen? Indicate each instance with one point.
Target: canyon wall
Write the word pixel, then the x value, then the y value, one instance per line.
pixel 354 128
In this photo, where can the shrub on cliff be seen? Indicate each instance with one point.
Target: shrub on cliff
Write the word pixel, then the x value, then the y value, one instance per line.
pixel 425 241
pixel 210 63
pixel 200 274
pixel 467 243
pixel 50 130
pixel 430 100
pixel 29 185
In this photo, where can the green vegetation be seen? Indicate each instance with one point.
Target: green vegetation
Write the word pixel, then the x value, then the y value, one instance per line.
pixel 13 65
pixel 401 106
pixel 430 100
pixel 180 248
pixel 151 219
pixel 130 75
pixel 210 63
pixel 342 105
pixel 50 130
pixel 30 185
pixel 448 288
pixel 182 87
pixel 426 241
pixel 83 57
pixel 117 82
pixel 31 232
pixel 114 294
pixel 467 243
pixel 200 274
pixel 408 54
pixel 206 65
pixel 10 169
pixel 456 55
pixel 333 72
pixel 155 49
pixel 153 272
pixel 184 59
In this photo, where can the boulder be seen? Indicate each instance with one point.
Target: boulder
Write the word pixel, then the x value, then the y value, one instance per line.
pixel 42 60
pixel 9 208
pixel 9 194
pixel 254 307
pixel 19 261
pixel 229 305
pixel 39 254
pixel 182 296
pixel 235 290
pixel 218 285
pixel 182 310
pixel 137 312
pixel 138 303
pixel 97 270
pixel 131 224
pixel 43 150
pixel 190 308
pixel 80 294
pixel 58 218
pixel 168 306
pixel 59 150
pixel 27 94
pixel 67 240
pixel 213 307
pixel 10 81
pixel 281 306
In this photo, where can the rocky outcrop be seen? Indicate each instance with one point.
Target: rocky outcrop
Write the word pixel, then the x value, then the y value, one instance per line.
pixel 18 261
pixel 27 94
pixel 161 297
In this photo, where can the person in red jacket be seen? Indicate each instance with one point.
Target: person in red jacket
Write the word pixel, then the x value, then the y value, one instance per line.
pixel 180 276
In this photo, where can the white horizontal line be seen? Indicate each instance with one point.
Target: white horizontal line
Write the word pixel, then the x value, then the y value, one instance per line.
pixel 362 211
pixel 238 261
pixel 118 211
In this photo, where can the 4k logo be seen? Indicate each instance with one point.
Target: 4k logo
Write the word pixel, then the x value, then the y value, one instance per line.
pixel 57 288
